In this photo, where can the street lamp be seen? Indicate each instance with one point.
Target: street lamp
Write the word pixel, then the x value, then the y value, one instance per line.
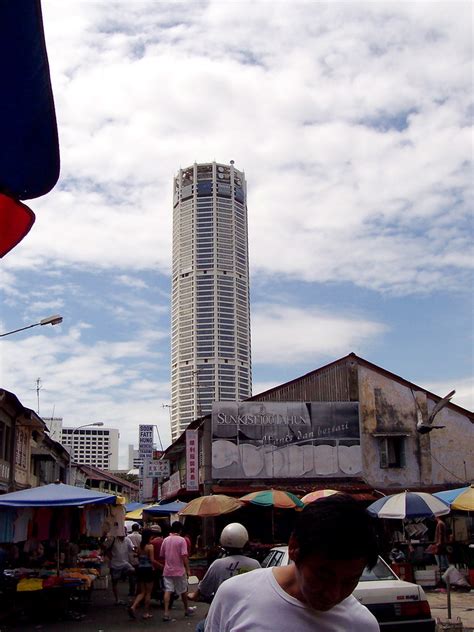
pixel 50 320
pixel 71 454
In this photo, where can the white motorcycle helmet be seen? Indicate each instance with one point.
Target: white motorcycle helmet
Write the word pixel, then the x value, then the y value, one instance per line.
pixel 234 536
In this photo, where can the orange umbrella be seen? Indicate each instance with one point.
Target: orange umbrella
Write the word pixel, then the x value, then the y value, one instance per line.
pixel 316 495
pixel 213 505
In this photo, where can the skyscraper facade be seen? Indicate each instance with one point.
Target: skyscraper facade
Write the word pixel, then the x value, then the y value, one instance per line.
pixel 210 321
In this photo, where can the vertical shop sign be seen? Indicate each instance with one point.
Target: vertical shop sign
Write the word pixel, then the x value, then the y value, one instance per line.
pixel 145 453
pixel 192 461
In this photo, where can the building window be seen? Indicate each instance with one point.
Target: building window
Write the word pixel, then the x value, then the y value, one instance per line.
pixel 392 451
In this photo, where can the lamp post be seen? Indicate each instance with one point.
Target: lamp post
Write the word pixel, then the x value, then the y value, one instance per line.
pixel 50 320
pixel 71 455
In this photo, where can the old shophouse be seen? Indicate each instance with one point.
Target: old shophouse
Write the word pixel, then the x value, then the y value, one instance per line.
pixel 349 425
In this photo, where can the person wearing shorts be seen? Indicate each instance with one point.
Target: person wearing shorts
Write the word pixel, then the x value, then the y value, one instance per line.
pixel 145 575
pixel 174 551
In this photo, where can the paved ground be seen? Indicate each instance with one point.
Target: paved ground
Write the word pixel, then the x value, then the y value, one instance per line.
pixel 462 606
pixel 101 615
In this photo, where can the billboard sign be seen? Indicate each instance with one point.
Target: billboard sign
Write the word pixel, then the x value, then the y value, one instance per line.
pixel 285 440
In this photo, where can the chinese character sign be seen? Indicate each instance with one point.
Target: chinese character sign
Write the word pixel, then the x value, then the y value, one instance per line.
pixel 158 469
pixel 192 461
pixel 145 441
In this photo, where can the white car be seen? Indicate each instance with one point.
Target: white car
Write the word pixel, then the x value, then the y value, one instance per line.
pixel 398 606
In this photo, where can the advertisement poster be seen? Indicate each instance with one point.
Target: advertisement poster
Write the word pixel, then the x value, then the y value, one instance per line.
pixel 285 440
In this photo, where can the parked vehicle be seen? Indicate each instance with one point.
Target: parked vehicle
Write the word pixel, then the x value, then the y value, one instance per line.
pixel 398 606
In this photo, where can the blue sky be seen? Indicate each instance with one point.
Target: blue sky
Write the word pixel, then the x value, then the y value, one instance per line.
pixel 352 123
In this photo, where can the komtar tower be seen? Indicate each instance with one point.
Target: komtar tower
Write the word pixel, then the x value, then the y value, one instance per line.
pixel 210 309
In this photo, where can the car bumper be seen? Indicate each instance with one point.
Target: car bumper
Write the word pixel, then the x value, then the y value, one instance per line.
pixel 412 625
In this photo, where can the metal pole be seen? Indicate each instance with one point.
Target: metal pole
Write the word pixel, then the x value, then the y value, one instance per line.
pixel 12 456
pixel 448 595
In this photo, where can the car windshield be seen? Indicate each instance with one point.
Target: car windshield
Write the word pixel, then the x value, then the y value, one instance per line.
pixel 379 571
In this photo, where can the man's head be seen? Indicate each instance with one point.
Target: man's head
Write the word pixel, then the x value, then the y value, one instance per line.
pixel 333 540
pixel 135 527
pixel 176 527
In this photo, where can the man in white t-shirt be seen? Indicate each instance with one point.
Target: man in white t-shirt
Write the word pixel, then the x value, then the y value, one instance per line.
pixel 119 549
pixel 333 540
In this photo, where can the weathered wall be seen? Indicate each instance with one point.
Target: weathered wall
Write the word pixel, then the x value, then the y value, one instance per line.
pixel 452 447
pixel 388 406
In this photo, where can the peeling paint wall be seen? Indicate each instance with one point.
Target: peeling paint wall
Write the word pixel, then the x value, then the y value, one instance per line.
pixel 391 409
pixel 452 447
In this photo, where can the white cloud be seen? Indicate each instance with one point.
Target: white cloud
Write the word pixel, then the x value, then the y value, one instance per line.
pixel 351 121
pixel 464 387
pixel 291 335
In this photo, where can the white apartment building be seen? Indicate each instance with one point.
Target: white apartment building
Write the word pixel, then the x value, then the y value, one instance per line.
pixel 92 446
pixel 210 327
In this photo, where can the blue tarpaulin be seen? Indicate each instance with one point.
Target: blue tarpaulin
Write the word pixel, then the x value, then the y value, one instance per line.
pixel 55 495
pixel 165 509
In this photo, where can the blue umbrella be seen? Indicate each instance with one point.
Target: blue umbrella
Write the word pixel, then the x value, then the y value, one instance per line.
pixel 408 505
pixel 460 498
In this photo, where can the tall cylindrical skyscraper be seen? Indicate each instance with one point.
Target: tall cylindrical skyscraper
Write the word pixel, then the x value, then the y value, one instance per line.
pixel 210 310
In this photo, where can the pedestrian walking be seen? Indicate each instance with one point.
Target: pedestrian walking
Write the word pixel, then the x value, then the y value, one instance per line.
pixel 145 576
pixel 174 550
pixel 119 549
pixel 135 538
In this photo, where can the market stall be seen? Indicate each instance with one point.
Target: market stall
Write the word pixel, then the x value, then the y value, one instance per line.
pixel 49 543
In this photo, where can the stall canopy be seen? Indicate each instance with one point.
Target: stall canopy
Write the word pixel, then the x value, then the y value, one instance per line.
pixel 134 506
pixel 165 509
pixel 56 495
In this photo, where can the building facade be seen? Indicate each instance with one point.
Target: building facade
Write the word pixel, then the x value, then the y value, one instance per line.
pixel 92 446
pixel 28 456
pixel 210 346
pixel 350 425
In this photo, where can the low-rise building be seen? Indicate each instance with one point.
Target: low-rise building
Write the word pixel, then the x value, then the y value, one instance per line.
pixel 349 425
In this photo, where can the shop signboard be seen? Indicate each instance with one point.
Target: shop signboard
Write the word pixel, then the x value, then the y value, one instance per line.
pixel 145 453
pixel 145 441
pixel 157 468
pixel 192 461
pixel 171 486
pixel 265 440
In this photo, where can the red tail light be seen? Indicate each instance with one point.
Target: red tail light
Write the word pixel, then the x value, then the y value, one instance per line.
pixel 416 609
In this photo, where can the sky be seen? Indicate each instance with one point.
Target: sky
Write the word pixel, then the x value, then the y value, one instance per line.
pixel 352 123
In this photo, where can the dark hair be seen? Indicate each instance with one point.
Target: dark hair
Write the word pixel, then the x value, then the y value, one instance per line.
pixel 135 526
pixel 147 535
pixel 176 527
pixel 338 527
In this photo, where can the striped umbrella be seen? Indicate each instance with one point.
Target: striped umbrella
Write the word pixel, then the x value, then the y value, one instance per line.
pixel 408 505
pixel 461 498
pixel 273 498
pixel 317 494
pixel 213 505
